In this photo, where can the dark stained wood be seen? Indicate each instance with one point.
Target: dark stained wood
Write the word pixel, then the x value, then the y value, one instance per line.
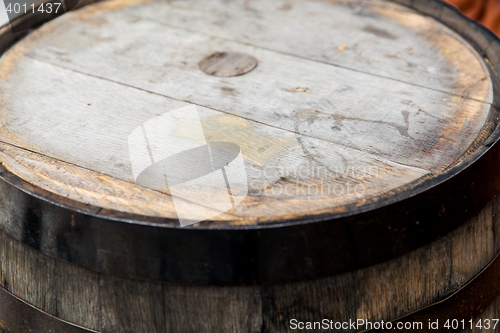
pixel 232 309
pixel 129 306
pixel 74 287
pixel 381 292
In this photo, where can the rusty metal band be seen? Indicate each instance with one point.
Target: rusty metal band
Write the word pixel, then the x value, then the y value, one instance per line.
pixel 17 316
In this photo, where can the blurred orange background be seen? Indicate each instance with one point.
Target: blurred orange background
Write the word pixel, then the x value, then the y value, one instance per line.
pixel 485 11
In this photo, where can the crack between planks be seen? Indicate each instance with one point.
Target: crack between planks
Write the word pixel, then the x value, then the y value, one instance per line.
pixel 304 58
pixel 375 157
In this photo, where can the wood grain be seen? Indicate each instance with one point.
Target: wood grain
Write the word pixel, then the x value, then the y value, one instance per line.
pixel 74 287
pixel 381 292
pixel 131 307
pixel 233 309
pixel 313 124
pixel 346 93
pixel 411 117
pixel 398 47
pixel 281 166
pixel 406 283
pixel 28 275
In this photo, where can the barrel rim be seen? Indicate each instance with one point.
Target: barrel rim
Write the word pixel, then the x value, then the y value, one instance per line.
pixel 417 187
pixel 416 215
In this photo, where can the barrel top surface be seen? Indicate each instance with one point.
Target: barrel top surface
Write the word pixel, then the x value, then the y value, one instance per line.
pixel 332 104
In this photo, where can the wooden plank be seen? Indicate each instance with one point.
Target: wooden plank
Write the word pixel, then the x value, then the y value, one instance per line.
pixel 76 286
pixel 131 306
pixel 473 246
pixel 380 37
pixel 388 118
pixel 13 208
pixel 82 185
pixel 332 298
pixel 294 110
pixel 230 309
pixel 28 275
pixel 395 288
pixel 496 222
pixel 60 289
pixel 282 167
pixel 430 273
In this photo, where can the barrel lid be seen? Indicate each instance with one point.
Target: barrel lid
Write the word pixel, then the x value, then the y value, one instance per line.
pixel 274 124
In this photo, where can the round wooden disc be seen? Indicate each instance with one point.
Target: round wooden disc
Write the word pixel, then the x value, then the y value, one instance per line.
pixel 228 64
pixel 351 101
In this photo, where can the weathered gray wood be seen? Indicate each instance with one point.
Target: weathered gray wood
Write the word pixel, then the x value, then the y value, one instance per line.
pixel 48 284
pixel 333 298
pixel 354 92
pixel 232 309
pixel 473 245
pixel 270 153
pixel 293 116
pixel 406 118
pixel 404 45
pixel 28 275
pixel 12 210
pixel 409 282
pixel 130 307
pixel 74 287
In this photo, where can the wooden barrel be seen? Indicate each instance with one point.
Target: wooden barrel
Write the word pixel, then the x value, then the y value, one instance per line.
pixel 250 166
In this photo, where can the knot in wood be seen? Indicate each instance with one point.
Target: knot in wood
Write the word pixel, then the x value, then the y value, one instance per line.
pixel 226 64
